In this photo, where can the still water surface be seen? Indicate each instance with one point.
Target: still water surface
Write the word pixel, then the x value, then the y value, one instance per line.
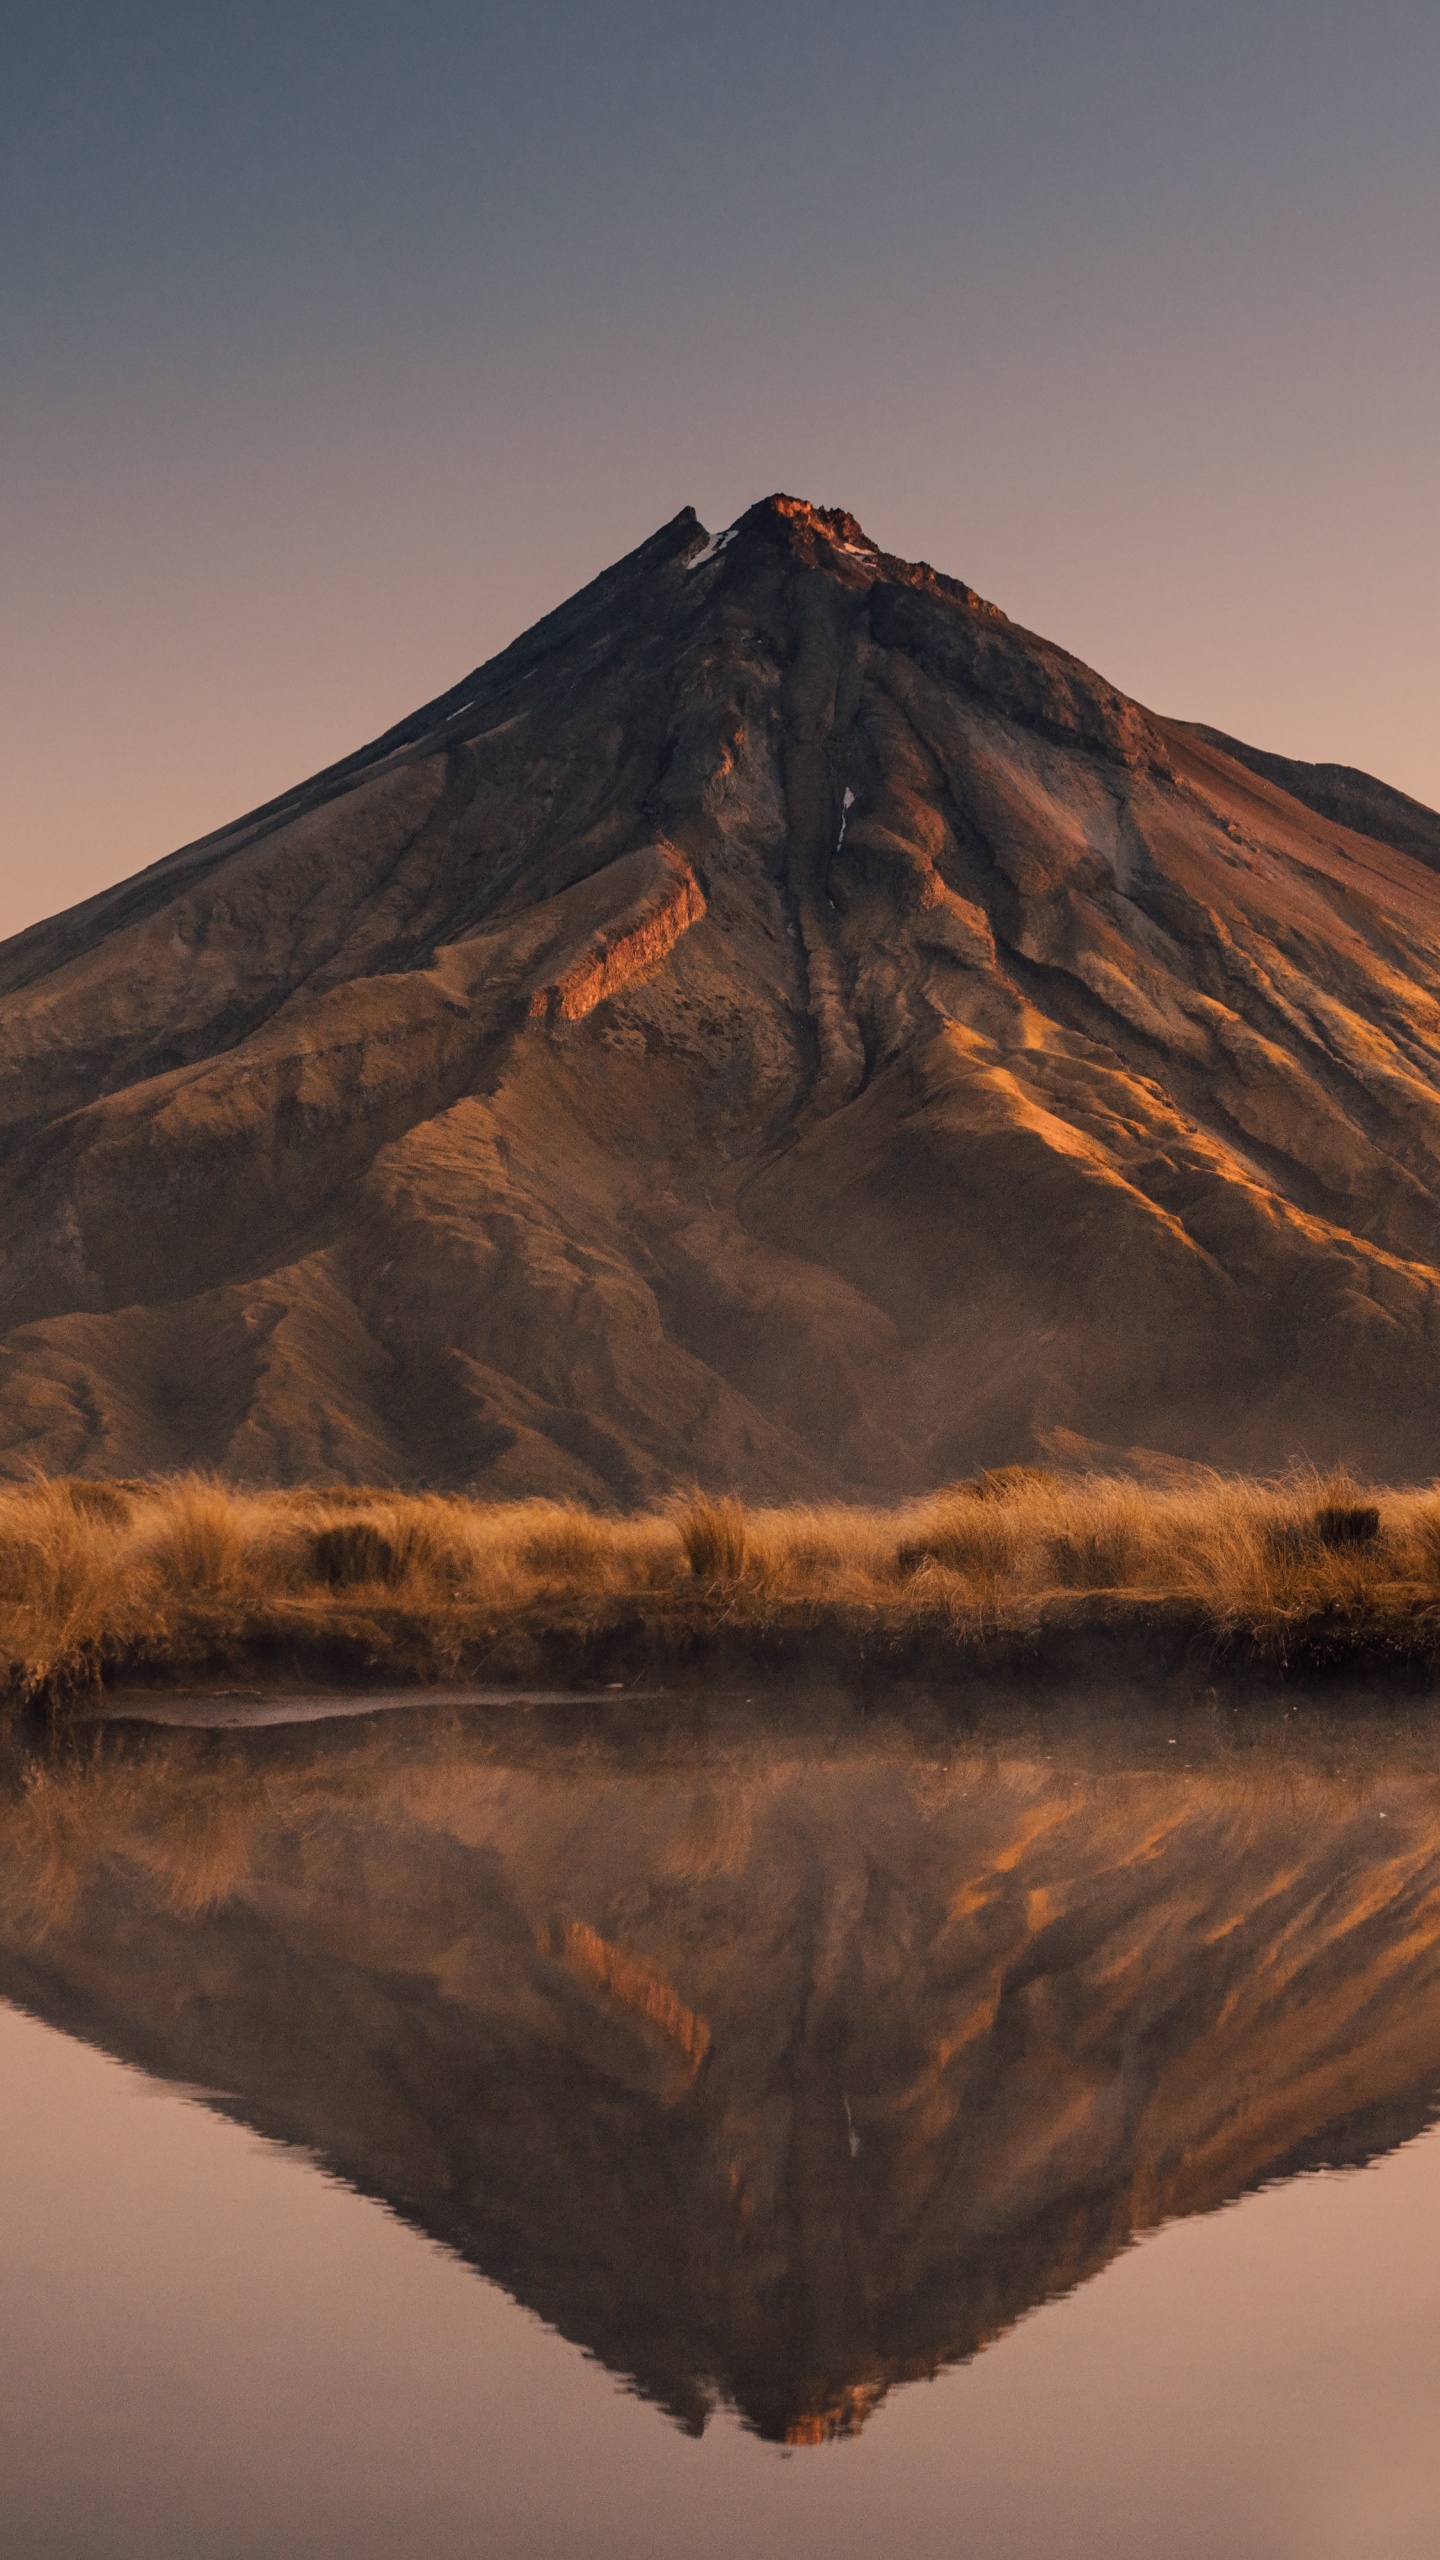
pixel 480 2133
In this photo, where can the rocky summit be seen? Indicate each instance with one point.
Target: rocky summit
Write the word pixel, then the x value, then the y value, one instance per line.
pixel 779 1025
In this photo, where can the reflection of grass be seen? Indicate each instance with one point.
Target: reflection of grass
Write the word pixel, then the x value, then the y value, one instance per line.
pixel 183 1816
pixel 186 1574
pixel 64 1821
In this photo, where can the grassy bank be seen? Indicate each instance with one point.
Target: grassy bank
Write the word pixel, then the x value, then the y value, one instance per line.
pixel 187 1578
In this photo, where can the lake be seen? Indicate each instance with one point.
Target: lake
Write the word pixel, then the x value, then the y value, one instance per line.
pixel 738 2127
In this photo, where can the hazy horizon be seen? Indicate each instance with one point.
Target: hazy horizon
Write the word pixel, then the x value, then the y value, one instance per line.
pixel 338 350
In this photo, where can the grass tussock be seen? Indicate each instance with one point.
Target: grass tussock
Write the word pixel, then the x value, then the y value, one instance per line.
pixel 714 1538
pixel 189 1574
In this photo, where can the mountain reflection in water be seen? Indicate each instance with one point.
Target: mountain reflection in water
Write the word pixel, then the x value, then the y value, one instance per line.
pixel 775 2070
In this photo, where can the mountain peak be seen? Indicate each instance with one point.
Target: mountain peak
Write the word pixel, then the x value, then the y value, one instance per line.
pixel 805 526
pixel 831 539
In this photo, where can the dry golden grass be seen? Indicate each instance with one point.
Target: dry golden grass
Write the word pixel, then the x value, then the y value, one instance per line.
pixel 188 1574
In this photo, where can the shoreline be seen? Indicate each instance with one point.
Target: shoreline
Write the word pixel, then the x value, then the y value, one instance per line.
pixel 1015 1578
pixel 1074 1642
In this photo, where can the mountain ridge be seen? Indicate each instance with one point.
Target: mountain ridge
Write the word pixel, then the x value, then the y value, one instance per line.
pixel 1354 799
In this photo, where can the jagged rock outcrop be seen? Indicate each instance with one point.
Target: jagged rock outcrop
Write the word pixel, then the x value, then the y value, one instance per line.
pixel 776 2071
pixel 779 1024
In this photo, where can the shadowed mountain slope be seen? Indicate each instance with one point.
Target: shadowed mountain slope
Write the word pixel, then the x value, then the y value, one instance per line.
pixel 769 2072
pixel 780 1024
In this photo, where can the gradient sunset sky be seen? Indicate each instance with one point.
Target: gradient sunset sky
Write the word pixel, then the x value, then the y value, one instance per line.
pixel 336 345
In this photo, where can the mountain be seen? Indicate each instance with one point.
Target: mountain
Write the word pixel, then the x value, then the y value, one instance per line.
pixel 774 2070
pixel 779 1024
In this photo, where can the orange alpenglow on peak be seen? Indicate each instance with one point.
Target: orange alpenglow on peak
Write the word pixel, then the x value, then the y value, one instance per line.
pixel 779 1023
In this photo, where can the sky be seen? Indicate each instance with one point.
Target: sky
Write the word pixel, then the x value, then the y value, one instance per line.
pixel 339 344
